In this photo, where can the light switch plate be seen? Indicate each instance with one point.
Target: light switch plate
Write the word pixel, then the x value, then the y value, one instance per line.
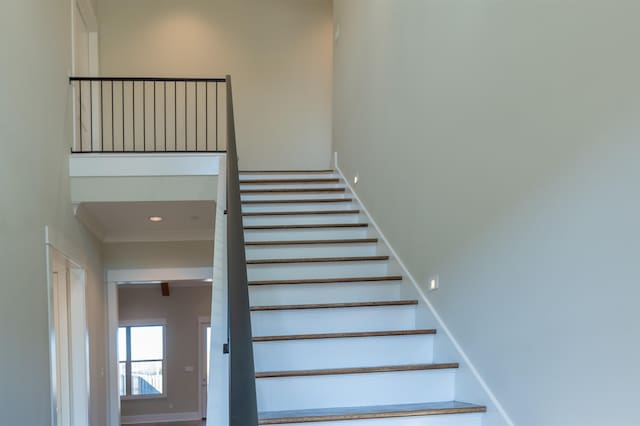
pixel 433 283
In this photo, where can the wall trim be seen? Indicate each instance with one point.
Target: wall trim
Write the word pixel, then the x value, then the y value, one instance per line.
pixel 58 240
pixel 424 297
pixel 161 418
pixel 88 14
pixel 158 274
pixel 151 164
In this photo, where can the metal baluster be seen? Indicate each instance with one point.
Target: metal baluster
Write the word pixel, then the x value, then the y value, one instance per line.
pixel 133 113
pixel 165 115
pixel 113 119
pixel 144 114
pixel 122 96
pixel 175 115
pixel 185 115
pixel 80 107
pixel 196 114
pixel 91 113
pixel 101 116
pixel 206 115
pixel 155 137
pixel 216 115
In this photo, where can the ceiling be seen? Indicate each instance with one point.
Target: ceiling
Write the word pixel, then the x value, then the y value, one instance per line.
pixel 129 221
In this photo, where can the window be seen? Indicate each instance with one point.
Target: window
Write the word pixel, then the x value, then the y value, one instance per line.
pixel 141 360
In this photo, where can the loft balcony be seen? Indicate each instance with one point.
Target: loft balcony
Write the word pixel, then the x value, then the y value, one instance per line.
pixel 145 144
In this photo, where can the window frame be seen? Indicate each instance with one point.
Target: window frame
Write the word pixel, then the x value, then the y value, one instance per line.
pixel 145 323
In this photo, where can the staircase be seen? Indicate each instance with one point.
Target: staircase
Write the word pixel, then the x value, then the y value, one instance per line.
pixel 335 341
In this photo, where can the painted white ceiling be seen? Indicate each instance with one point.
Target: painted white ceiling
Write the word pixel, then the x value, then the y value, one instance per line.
pixel 129 221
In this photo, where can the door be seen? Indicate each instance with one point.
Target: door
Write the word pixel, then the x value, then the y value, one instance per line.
pixel 205 358
pixel 62 389
pixel 69 351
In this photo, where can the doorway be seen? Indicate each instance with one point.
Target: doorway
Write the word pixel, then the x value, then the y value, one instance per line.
pixel 205 360
pixel 148 385
pixel 69 351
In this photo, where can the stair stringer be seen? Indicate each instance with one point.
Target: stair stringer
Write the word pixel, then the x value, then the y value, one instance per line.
pixel 469 384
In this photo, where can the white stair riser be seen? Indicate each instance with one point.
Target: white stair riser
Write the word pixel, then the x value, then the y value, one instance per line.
pixel 343 352
pixel 470 419
pixel 353 390
pixel 298 294
pixel 332 320
pixel 295 196
pixel 302 219
pixel 261 186
pixel 305 234
pixel 291 271
pixel 311 250
pixel 280 176
pixel 298 207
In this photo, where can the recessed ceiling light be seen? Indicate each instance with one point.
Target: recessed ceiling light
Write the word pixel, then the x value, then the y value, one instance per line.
pixel 155 218
pixel 208 280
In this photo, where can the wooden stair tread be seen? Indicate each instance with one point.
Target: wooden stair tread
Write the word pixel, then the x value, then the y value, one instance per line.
pixel 311 242
pixel 301 213
pixel 308 226
pixel 370 412
pixel 287 181
pixel 301 201
pixel 318 260
pixel 334 305
pixel 330 280
pixel 284 171
pixel 355 370
pixel 357 334
pixel 292 190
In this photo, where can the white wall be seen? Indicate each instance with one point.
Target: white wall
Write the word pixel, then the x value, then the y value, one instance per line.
pixel 497 145
pixel 35 137
pixel 277 51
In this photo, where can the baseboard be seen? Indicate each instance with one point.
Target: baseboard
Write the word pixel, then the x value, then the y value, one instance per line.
pixel 160 418
pixel 423 296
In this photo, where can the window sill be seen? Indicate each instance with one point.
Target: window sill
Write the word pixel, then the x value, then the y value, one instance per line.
pixel 138 397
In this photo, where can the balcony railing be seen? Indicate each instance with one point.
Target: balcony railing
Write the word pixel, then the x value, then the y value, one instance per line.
pixel 148 114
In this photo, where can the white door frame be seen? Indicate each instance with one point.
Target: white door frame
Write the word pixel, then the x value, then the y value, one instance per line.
pixel 117 277
pixel 73 334
pixel 203 382
pixel 88 16
pixel 91 21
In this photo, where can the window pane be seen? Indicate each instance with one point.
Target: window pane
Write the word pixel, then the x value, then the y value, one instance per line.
pixel 122 378
pixel 122 344
pixel 146 378
pixel 146 343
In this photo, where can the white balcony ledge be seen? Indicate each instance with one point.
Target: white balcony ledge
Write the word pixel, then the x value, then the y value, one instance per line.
pixel 144 177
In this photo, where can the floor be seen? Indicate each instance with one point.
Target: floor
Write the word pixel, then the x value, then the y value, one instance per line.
pixel 196 423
